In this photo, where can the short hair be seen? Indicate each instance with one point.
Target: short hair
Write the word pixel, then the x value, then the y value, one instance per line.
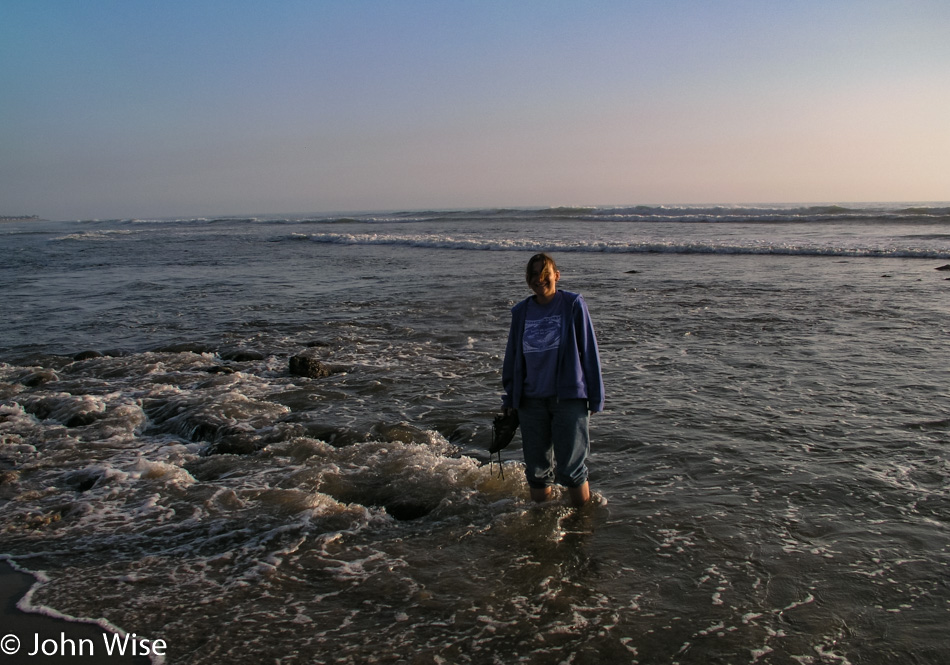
pixel 545 260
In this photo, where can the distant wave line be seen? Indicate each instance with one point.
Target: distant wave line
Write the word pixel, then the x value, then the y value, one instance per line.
pixel 765 214
pixel 645 214
pixel 522 244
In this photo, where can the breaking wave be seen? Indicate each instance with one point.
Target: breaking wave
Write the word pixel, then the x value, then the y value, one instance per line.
pixel 438 241
pixel 701 214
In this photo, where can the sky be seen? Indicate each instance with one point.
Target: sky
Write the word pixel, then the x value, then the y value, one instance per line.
pixel 135 108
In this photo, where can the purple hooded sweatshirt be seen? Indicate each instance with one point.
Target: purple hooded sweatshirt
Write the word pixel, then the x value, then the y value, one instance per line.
pixel 578 361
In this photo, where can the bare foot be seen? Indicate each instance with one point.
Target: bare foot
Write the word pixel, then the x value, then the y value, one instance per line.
pixel 540 495
pixel 579 495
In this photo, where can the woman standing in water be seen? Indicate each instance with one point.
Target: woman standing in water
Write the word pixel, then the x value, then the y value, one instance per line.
pixel 552 378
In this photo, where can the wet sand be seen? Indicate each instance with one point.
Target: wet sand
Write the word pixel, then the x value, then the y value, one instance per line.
pixel 27 626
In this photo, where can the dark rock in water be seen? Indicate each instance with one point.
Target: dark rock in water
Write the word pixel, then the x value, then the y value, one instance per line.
pixel 86 355
pixel 405 511
pixel 336 436
pixel 68 410
pixel 222 438
pixel 41 409
pixel 218 369
pixel 632 272
pixel 38 378
pixel 302 425
pixel 211 468
pixel 307 364
pixel 944 268
pixel 185 420
pixel 402 432
pixel 83 480
pixel 81 419
pixel 203 430
pixel 244 443
pixel 385 495
pixel 241 355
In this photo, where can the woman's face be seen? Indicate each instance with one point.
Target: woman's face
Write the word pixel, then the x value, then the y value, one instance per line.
pixel 543 281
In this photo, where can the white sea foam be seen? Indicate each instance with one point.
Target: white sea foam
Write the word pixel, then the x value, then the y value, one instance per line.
pixel 26 604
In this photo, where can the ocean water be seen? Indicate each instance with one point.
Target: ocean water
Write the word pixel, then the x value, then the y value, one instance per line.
pixel 771 470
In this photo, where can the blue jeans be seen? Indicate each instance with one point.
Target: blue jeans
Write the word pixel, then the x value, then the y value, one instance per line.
pixel 555 440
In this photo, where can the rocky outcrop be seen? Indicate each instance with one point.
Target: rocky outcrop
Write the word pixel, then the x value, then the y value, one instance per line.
pixel 309 364
pixel 38 377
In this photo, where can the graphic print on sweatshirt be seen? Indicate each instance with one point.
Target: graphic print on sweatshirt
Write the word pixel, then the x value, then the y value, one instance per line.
pixel 542 334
